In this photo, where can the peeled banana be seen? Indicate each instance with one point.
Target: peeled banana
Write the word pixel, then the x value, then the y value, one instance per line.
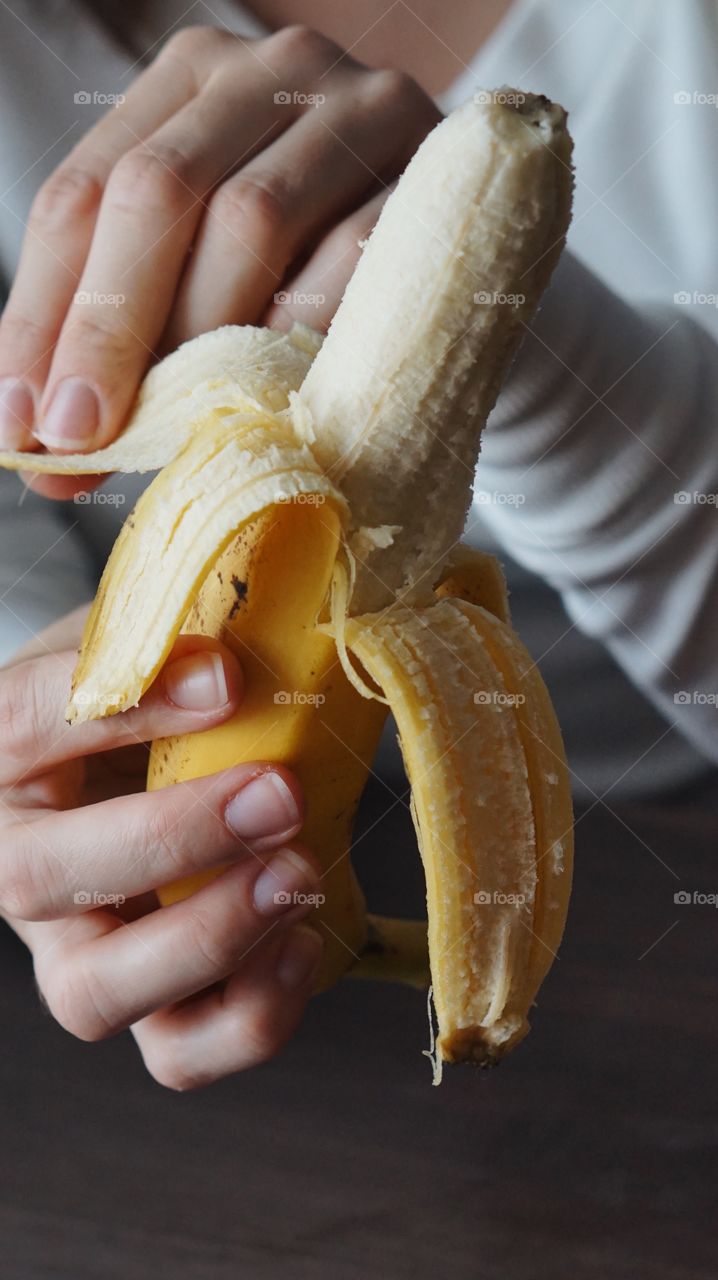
pixel 309 513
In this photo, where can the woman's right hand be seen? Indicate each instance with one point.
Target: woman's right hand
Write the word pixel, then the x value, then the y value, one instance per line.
pixel 210 985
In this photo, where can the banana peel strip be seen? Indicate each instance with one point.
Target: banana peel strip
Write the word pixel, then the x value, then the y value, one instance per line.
pixel 231 471
pixel 491 808
pixel 237 368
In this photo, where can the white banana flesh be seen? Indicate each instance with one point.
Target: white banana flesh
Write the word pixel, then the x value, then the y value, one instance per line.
pixel 398 402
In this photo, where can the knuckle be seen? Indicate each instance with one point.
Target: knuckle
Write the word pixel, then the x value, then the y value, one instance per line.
pixel 24 892
pixel 19 718
pixel 300 45
pixel 24 332
pixel 193 42
pixel 390 89
pixel 261 1035
pixel 97 335
pixel 255 203
pixel 163 832
pixel 215 937
pixel 163 1060
pixel 14 898
pixel 78 1001
pixel 151 178
pixel 68 194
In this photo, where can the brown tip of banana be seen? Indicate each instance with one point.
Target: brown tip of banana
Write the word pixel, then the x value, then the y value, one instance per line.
pixel 470 1044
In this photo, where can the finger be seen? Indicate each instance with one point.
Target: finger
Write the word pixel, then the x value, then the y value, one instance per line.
pixel 313 295
pixel 58 236
pixel 149 213
pixel 244 1022
pixel 260 219
pixel 62 863
pixel 107 975
pixel 200 685
pixel 62 488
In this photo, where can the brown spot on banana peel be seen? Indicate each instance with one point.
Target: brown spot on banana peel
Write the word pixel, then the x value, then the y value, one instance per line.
pixel 240 590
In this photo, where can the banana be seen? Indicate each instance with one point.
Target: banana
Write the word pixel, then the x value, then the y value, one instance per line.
pixel 309 512
pixel 429 323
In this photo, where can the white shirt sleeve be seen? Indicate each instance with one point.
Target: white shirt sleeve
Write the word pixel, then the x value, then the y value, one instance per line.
pixel 599 472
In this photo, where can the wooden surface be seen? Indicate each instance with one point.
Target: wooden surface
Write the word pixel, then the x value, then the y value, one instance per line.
pixel 591 1154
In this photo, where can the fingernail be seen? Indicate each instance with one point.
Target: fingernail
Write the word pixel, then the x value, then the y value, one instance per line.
pixel 197 682
pixel 264 807
pixel 287 881
pixel 299 957
pixel 73 416
pixel 17 411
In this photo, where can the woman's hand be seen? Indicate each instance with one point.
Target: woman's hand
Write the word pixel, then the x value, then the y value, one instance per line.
pixel 233 185
pixel 210 985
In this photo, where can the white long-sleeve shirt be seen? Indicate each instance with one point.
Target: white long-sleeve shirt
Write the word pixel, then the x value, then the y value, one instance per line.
pixel 608 412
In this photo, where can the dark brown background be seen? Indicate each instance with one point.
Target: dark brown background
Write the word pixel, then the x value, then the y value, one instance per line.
pixel 590 1154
